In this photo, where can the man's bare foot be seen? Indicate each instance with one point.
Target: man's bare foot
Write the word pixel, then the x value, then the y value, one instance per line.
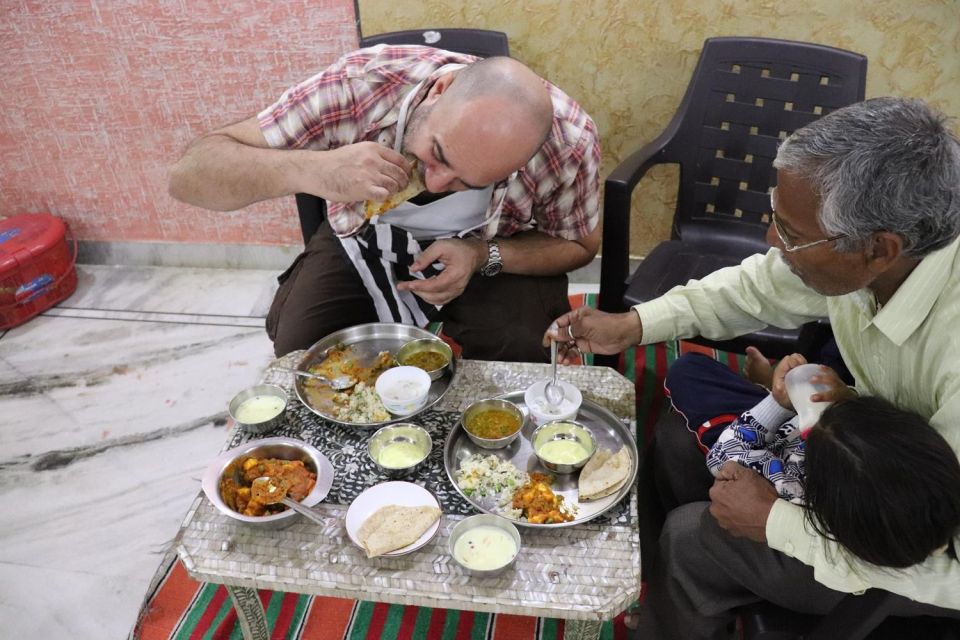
pixel 758 369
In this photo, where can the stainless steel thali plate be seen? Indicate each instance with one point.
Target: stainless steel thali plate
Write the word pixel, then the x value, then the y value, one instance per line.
pixel 609 431
pixel 366 342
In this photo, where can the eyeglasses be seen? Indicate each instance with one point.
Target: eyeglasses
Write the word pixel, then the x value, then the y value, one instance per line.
pixel 788 246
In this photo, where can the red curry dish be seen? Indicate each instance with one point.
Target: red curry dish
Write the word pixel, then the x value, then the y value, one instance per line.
pixel 239 476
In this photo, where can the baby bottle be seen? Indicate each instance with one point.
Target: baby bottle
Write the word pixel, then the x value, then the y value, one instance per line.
pixel 799 388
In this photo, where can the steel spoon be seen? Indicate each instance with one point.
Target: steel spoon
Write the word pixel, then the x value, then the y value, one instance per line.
pixel 340 383
pixel 269 492
pixel 553 392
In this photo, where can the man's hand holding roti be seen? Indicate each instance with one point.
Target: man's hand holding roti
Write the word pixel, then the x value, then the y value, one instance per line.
pixel 355 172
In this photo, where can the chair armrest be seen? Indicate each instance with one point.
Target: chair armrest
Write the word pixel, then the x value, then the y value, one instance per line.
pixel 618 189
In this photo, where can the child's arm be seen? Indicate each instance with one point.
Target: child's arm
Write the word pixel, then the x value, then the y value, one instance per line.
pixel 746 440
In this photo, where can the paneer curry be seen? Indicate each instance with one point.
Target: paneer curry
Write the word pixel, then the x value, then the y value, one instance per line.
pixel 237 478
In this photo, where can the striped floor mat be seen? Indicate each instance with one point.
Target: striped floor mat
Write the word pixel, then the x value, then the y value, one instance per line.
pixel 180 608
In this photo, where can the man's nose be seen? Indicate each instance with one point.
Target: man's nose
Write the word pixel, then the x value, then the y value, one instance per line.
pixel 438 178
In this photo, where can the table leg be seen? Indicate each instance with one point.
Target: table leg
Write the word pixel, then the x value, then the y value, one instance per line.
pixel 250 614
pixel 581 629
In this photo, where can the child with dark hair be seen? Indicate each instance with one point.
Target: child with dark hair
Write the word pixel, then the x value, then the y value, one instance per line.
pixel 879 480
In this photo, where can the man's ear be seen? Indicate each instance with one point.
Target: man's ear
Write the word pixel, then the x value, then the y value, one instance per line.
pixel 885 249
pixel 439 87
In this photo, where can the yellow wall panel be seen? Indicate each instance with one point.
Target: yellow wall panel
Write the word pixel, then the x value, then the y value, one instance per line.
pixel 628 63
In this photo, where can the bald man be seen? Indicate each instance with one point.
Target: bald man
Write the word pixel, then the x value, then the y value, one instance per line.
pixel 511 169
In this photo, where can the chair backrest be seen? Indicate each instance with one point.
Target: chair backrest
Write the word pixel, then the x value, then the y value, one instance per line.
pixel 747 95
pixel 478 42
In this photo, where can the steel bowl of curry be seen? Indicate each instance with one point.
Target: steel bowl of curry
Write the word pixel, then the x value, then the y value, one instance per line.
pixel 306 473
pixel 492 423
pixel 430 354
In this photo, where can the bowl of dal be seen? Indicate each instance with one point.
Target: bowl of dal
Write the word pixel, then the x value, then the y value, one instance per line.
pixel 563 446
pixel 259 409
pixel 484 545
pixel 492 423
pixel 429 354
pixel 398 449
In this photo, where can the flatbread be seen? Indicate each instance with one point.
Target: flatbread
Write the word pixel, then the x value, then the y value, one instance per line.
pixel 604 474
pixel 393 527
pixel 414 187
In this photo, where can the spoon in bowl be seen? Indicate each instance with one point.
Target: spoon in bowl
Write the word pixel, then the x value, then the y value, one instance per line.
pixel 553 392
pixel 274 490
pixel 340 383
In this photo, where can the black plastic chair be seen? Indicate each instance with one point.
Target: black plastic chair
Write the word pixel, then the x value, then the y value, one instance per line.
pixel 478 42
pixel 746 95
pixel 853 618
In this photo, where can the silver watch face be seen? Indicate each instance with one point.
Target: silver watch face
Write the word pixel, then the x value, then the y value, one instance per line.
pixel 491 268
pixel 494 262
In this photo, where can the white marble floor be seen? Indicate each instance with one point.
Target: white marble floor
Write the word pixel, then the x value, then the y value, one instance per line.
pixel 111 405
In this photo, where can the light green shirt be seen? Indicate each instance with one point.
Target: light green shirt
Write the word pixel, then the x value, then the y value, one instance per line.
pixel 907 353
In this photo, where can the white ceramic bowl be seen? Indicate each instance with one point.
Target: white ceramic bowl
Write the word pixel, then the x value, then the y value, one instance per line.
pixel 542 413
pixel 403 390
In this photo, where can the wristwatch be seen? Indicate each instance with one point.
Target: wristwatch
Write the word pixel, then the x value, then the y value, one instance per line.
pixel 494 261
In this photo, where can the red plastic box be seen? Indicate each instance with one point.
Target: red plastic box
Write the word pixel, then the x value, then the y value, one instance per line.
pixel 37 266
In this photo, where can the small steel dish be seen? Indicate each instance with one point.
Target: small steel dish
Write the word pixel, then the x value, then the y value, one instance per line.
pixel 487 520
pixel 563 430
pixel 426 345
pixel 252 392
pixel 283 448
pixel 492 403
pixel 403 432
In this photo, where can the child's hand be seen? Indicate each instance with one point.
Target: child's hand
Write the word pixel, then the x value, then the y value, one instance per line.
pixel 838 389
pixel 779 389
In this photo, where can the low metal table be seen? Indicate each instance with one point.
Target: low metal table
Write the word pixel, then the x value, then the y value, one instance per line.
pixel 584 574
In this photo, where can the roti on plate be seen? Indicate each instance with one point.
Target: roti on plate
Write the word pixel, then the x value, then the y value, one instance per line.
pixel 604 474
pixel 393 527
pixel 414 187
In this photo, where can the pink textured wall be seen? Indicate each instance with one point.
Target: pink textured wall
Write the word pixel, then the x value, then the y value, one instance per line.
pixel 98 98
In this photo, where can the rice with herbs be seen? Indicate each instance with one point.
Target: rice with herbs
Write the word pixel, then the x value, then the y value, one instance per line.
pixel 485 476
pixel 363 405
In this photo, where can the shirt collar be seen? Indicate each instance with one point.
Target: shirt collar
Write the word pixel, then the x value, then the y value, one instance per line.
pixel 913 300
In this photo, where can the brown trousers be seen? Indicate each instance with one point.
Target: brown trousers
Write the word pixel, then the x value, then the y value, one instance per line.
pixel 498 318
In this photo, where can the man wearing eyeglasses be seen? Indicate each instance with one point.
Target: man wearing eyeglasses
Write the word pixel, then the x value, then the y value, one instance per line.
pixel 865 226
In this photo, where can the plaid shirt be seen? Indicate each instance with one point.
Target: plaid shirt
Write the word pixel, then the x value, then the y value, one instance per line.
pixel 358 99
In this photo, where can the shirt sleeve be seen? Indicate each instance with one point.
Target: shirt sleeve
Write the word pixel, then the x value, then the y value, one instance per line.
pixel 572 210
pixel 746 439
pixel 733 301
pixel 752 441
pixel 307 115
pixel 934 581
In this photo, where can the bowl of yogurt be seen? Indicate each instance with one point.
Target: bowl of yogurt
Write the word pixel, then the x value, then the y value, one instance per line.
pixel 259 409
pixel 398 449
pixel 403 390
pixel 484 545
pixel 542 411
pixel 563 446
